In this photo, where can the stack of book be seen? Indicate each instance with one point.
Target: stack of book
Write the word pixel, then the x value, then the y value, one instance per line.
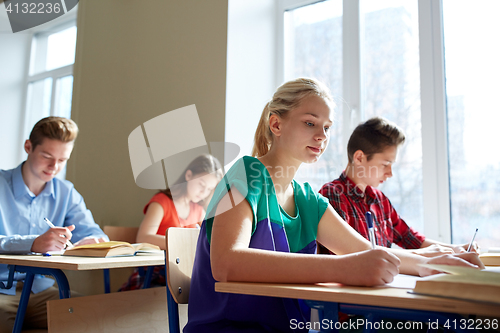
pixel 492 257
pixel 462 283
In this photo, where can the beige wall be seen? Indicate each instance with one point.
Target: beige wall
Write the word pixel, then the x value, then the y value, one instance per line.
pixel 136 60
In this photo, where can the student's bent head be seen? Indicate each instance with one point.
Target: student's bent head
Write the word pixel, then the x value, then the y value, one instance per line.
pixel 54 128
pixel 198 180
pixel 49 147
pixel 374 136
pixel 286 98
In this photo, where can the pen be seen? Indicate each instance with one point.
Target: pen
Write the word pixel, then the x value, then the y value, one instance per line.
pixel 68 242
pixel 472 241
pixel 371 234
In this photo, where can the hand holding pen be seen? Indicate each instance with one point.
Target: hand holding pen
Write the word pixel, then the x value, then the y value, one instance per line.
pixel 472 241
pixel 54 239
pixel 51 225
pixel 471 246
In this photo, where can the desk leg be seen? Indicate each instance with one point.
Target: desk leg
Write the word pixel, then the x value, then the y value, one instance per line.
pixel 23 302
pixel 173 314
pixel 174 325
pixel 10 279
pixel 62 283
pixel 107 288
pixel 331 311
pixel 373 315
pixel 328 313
pixel 147 278
pixel 370 319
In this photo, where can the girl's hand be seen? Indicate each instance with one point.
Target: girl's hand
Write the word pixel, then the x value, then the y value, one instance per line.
pixel 372 267
pixel 434 250
pixel 465 259
pixel 463 248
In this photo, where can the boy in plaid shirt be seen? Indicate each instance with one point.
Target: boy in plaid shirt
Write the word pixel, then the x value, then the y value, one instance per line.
pixel 372 149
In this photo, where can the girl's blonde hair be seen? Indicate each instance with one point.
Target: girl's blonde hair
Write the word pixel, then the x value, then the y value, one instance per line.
pixel 287 97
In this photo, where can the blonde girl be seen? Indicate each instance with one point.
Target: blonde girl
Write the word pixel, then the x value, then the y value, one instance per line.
pixel 262 225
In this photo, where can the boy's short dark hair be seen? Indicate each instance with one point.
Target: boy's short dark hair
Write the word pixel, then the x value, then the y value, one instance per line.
pixel 55 128
pixel 374 136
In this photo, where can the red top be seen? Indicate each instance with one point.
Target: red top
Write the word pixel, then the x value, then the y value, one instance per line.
pixel 170 218
pixel 350 204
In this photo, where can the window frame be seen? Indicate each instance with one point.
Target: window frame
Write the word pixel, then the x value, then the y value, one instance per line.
pixel 68 20
pixel 436 181
pixel 435 172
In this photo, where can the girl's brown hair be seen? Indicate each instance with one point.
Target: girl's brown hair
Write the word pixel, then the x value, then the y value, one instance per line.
pixel 204 163
pixel 287 97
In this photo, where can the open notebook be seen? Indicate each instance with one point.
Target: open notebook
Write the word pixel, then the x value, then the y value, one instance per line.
pixel 492 257
pixel 111 249
pixel 462 282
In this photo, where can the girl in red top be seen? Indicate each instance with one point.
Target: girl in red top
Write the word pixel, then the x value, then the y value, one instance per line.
pixel 180 205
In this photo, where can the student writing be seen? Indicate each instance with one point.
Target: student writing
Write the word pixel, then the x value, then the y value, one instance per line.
pixel 179 206
pixel 262 225
pixel 372 151
pixel 30 193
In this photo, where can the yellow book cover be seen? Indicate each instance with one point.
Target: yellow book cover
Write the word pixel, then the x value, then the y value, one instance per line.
pixel 490 258
pixel 462 282
pixel 110 249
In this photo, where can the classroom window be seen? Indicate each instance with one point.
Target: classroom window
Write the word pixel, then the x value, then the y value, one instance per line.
pixel 390 58
pixel 472 71
pixel 50 83
pixel 50 80
pixel 385 81
pixel 313 48
pixel 390 88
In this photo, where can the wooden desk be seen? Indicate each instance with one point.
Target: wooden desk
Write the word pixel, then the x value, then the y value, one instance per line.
pixel 337 298
pixel 82 263
pixel 376 296
pixel 53 265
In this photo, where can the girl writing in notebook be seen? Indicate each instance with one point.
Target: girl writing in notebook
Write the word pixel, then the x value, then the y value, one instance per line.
pixel 262 225
pixel 180 205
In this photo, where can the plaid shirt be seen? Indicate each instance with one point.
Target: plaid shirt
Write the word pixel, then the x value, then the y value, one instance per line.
pixel 350 204
pixel 136 280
